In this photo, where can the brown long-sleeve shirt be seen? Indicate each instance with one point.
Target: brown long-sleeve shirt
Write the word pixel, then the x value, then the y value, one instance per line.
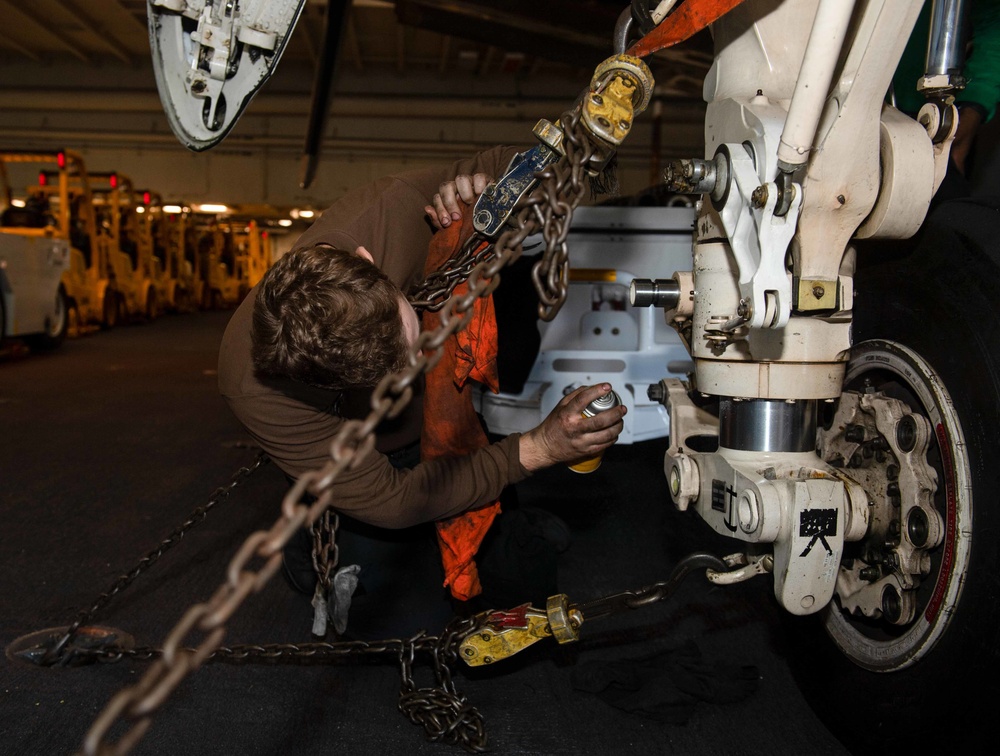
pixel 294 423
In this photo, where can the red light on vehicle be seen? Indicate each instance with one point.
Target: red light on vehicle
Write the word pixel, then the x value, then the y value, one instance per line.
pixel 113 181
pixel 61 159
pixel 146 198
pixel 43 180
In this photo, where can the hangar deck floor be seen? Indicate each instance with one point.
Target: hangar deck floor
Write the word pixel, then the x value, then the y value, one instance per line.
pixel 111 441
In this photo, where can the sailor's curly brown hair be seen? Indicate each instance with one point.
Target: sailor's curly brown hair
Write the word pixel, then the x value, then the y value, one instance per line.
pixel 327 318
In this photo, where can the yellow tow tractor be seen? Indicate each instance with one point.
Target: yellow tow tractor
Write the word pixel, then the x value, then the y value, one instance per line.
pixel 187 235
pixel 183 286
pixel 162 244
pixel 253 253
pixel 217 262
pixel 131 261
pixel 92 298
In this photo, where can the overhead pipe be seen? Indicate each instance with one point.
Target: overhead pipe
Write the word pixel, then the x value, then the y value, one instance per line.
pixel 241 144
pixel 478 108
pixel 336 20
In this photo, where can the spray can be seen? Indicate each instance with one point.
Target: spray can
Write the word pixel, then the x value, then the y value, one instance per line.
pixel 601 404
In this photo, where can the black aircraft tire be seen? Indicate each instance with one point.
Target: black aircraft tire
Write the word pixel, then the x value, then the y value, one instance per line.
pixel 936 298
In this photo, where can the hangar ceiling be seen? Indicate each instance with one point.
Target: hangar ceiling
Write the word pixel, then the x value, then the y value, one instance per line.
pixel 414 79
pixel 516 37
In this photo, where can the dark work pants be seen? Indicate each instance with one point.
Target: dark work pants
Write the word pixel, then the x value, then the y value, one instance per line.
pixel 400 588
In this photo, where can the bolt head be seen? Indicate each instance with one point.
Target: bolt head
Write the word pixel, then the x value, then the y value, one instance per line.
pixel 906 433
pixel 892 605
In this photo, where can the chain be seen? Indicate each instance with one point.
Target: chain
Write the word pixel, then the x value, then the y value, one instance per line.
pixel 444 714
pixel 86 616
pixel 325 552
pixel 650 594
pixel 432 293
pixel 552 202
pixel 549 209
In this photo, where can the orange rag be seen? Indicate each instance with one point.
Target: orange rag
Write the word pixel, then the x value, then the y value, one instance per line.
pixel 451 427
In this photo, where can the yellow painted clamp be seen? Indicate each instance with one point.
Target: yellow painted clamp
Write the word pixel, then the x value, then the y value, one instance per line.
pixel 504 633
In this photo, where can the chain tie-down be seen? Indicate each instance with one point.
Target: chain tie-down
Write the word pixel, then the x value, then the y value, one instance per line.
pixel 77 642
pixel 505 633
pixel 548 208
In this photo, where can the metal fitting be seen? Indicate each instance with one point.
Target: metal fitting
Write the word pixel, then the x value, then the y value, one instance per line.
pixel 748 511
pixel 683 479
pixel 663 292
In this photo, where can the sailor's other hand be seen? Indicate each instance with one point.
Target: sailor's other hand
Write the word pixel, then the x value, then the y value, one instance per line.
pixel 448 202
pixel 567 436
pixel 969 120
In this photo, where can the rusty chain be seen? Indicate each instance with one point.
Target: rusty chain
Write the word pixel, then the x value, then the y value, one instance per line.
pixel 444 714
pixel 200 631
pixel 86 616
pixel 432 293
pixel 549 209
pixel 650 594
pixel 325 552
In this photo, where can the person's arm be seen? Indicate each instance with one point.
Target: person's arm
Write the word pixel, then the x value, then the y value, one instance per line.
pixel 969 120
pixel 381 495
pixel 977 102
pixel 982 67
pixel 297 438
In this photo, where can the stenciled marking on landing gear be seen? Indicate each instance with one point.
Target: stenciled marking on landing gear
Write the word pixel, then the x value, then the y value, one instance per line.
pixel 724 500
pixel 831 566
pixel 719 495
pixel 817 524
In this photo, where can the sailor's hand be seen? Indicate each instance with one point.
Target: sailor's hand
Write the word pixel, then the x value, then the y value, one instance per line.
pixel 448 202
pixel 567 436
pixel 969 120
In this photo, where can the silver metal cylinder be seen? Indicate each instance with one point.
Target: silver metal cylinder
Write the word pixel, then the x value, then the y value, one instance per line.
pixel 948 35
pixel 663 292
pixel 767 425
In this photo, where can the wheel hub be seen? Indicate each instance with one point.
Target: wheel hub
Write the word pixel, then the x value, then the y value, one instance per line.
pixel 895 431
pixel 883 445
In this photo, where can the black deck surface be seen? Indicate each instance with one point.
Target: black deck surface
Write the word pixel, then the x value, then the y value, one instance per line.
pixel 110 442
